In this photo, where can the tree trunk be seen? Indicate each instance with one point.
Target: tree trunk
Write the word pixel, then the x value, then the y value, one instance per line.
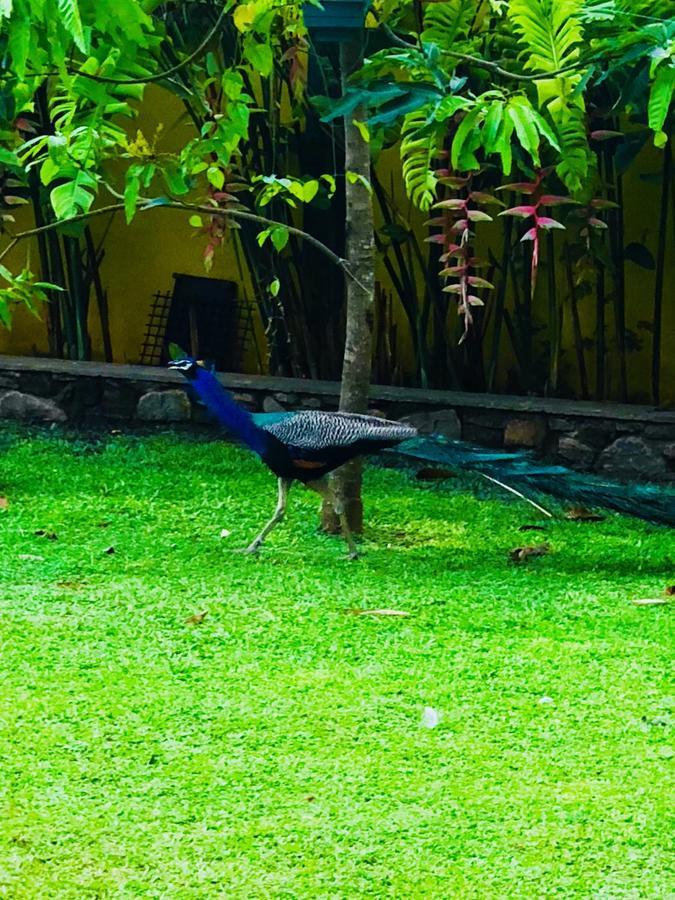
pixel 360 253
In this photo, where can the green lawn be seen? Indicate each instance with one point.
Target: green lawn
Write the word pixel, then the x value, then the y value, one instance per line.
pixel 277 749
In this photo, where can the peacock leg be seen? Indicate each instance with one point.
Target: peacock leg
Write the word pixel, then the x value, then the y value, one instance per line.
pixel 339 508
pixel 279 513
pixel 327 492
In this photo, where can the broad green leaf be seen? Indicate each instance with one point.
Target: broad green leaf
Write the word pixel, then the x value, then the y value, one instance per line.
pixel 260 56
pixel 357 178
pixel 504 147
pixel 49 170
pixel 73 197
pixel 464 133
pixel 279 237
pixel 9 158
pixel 244 15
pixel 660 99
pixel 296 188
pixel 18 42
pixel 131 192
pixel 492 126
pixel 216 177
pixel 520 113
pixel 196 221
pixel 310 190
pixel 362 129
pixel 233 84
pixel 330 181
pixel 175 180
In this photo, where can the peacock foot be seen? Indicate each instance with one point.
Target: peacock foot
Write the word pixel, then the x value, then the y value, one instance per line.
pixel 251 550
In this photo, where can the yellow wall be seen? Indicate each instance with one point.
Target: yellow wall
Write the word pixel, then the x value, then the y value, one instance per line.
pixel 140 259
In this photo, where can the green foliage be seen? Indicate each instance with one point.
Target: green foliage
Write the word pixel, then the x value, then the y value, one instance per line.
pixel 418 145
pixel 660 100
pixel 448 21
pixel 533 112
pixel 550 31
pixel 21 290
pixel 575 156
pixel 69 13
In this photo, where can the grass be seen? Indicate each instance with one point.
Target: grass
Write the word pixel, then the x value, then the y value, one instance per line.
pixel 276 749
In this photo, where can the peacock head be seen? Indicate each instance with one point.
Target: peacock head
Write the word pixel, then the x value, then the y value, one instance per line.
pixel 187 365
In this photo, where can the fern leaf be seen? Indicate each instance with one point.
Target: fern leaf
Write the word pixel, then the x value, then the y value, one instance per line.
pixel 445 22
pixel 418 145
pixel 574 151
pixel 71 21
pixel 551 33
pixel 550 30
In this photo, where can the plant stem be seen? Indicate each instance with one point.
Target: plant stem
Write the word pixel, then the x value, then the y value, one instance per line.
pixel 660 273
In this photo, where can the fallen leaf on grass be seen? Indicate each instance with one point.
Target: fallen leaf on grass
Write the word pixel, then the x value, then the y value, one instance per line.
pixel 377 612
pixel 4 502
pixel 104 524
pixel 581 514
pixel 433 474
pixel 71 585
pixel 670 590
pixel 50 535
pixel 197 618
pixel 651 601
pixel 430 717
pixel 225 533
pixel 532 528
pixel 521 554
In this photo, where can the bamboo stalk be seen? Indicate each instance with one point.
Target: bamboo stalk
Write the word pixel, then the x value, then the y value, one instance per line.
pixel 499 303
pixel 100 294
pixel 576 324
pixel 600 345
pixel 553 317
pixel 617 239
pixel 54 334
pixel 73 257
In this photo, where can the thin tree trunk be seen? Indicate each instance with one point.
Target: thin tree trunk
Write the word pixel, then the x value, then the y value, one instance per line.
pixel 360 252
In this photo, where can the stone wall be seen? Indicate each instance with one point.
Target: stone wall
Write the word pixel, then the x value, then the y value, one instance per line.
pixel 620 441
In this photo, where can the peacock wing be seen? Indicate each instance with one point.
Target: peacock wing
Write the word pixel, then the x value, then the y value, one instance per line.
pixel 316 431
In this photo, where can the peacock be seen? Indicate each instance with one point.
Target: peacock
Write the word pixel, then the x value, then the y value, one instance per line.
pixel 307 445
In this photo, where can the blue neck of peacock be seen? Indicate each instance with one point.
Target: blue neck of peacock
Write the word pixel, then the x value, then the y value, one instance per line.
pixel 230 415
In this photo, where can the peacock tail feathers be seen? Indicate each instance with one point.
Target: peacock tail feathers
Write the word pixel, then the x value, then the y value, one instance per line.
pixel 520 470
